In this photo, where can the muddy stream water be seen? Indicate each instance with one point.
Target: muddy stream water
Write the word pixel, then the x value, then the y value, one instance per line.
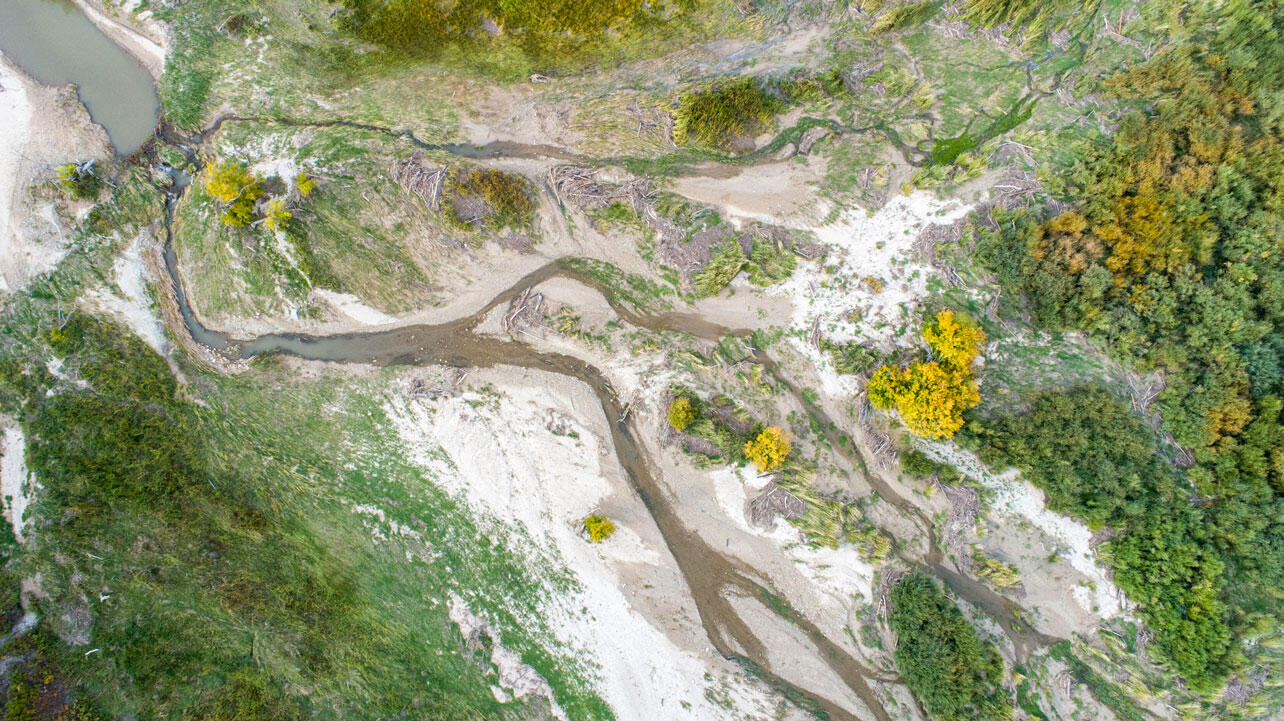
pixel 712 578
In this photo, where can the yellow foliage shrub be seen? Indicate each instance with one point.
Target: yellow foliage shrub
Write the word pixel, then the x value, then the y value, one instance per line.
pixel 305 184
pixel 956 341
pixel 769 449
pixel 930 397
pixel 599 528
pixel 236 189
pixel 681 413
pixel 276 215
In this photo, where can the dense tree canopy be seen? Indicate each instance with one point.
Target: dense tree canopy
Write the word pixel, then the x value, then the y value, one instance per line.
pixel 1096 460
pixel 952 673
pixel 1173 258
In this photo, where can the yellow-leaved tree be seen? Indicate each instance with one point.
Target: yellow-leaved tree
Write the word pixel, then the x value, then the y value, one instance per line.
pixel 769 449
pixel 931 396
pixel 956 341
pixel 236 189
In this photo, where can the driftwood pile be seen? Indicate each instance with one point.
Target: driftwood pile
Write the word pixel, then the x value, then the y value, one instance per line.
pixel 934 235
pixel 526 310
pixel 891 577
pixel 420 388
pixel 883 449
pixel 965 505
pixel 579 186
pixel 881 446
pixel 420 180
pixel 774 501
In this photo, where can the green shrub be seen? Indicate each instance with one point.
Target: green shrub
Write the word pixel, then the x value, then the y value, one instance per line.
pixel 599 529
pixel 1002 575
pixel 727 262
pixel 916 464
pixel 833 83
pixel 849 358
pixel 770 262
pixel 952 673
pixel 508 201
pixel 78 181
pixel 725 117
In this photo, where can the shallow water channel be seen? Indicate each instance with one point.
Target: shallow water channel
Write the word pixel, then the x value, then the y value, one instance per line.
pixel 53 42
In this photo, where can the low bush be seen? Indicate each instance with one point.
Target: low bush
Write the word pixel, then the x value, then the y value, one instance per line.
pixel 725 117
pixel 682 413
pixel 1002 575
pixel 79 181
pixel 849 358
pixel 489 199
pixel 931 396
pixel 769 449
pixel 917 464
pixel 598 528
pixel 236 189
pixel 770 262
pixel 726 264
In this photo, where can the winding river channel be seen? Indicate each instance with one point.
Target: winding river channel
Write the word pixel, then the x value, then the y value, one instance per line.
pixel 129 113
pixel 711 577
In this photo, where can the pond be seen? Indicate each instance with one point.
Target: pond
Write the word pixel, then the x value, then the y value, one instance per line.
pixel 56 44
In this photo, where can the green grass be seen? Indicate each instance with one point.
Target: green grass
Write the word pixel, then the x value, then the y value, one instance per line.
pixel 188 80
pixel 630 289
pixel 557 35
pixel 905 16
pixel 340 238
pixel 725 117
pixel 240 574
pixel 1106 692
pixel 948 150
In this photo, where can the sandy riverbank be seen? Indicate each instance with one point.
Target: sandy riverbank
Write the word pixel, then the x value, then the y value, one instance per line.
pixel 40 128
pixel 140 35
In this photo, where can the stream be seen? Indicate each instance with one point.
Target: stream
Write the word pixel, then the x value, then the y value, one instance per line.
pixel 711 577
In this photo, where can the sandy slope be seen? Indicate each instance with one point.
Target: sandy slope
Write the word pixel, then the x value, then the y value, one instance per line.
pixel 15 124
pixel 40 128
pixel 140 35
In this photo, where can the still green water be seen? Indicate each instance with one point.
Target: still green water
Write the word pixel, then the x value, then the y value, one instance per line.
pixel 56 44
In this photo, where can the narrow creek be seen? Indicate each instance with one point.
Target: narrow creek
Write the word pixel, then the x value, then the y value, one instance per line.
pixel 712 578
pixel 55 43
